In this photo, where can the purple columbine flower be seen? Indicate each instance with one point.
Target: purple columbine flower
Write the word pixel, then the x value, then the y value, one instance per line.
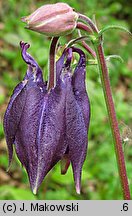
pixel 48 126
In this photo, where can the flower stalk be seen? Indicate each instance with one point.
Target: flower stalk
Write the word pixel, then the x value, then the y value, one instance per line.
pixel 52 69
pixel 85 45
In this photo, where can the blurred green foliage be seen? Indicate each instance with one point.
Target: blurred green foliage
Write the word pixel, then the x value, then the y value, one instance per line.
pixel 100 178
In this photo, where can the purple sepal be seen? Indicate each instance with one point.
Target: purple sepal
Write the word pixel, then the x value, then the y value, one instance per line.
pixel 77 116
pixel 59 66
pixel 51 131
pixel 76 133
pixel 12 116
pixel 18 99
pixel 79 87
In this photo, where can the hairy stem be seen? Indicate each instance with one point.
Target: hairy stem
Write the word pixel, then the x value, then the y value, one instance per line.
pixel 87 28
pixel 52 69
pixel 88 48
pixel 88 21
pixel 85 45
pixel 113 121
pixel 111 110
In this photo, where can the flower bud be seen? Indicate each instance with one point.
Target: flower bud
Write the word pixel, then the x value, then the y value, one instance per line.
pixel 52 19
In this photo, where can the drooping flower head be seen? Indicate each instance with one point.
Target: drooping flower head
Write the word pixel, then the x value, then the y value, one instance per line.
pixel 47 126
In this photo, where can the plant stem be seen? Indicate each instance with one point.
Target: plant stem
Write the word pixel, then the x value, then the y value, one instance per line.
pixel 52 68
pixel 87 28
pixel 111 111
pixel 85 45
pixel 88 21
pixel 113 121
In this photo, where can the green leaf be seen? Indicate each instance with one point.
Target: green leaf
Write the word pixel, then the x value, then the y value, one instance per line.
pixel 117 57
pixel 79 39
pixel 109 27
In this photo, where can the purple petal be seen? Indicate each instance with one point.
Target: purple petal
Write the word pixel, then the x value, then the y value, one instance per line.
pixel 18 99
pixel 77 115
pixel 60 63
pixel 33 68
pixel 12 116
pixel 51 131
pixel 77 118
pixel 69 57
pixel 65 163
pixel 26 136
pixel 76 132
pixel 79 86
pixel 59 66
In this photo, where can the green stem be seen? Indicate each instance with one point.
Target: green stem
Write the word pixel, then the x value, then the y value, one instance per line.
pixel 52 69
pixel 111 110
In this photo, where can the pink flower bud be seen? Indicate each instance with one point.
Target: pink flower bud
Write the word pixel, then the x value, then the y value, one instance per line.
pixel 52 19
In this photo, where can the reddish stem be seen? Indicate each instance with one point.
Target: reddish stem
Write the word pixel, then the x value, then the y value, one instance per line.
pixel 88 21
pixel 52 69
pixel 85 45
pixel 83 26
pixel 114 124
pixel 111 111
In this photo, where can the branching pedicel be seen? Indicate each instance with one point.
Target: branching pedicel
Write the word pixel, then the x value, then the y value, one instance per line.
pixel 49 122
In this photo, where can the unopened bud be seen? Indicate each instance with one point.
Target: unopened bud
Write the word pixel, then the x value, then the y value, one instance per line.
pixel 52 20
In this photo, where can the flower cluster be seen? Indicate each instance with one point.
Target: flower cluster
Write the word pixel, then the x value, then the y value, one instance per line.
pixel 48 126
